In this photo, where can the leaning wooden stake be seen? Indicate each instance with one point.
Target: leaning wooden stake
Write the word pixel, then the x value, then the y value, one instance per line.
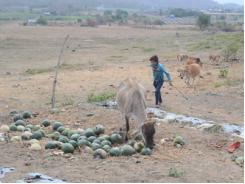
pixel 56 73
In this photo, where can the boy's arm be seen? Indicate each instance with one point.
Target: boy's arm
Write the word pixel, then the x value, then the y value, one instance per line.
pixel 166 73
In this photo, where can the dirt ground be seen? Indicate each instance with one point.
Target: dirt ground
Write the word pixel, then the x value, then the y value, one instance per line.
pixel 96 58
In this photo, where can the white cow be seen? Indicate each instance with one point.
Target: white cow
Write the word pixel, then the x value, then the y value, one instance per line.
pixel 131 102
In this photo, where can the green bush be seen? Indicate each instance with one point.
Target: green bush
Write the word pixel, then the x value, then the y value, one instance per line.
pixel 121 16
pixel 42 21
pixel 108 16
pixel 223 73
pixel 203 21
pixel 223 26
pixel 230 52
pixel 100 97
pixel 79 20
pixel 158 22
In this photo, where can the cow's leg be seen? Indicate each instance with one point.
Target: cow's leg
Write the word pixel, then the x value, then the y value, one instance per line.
pixel 185 79
pixel 193 83
pixel 141 132
pixel 188 81
pixel 127 127
pixel 122 119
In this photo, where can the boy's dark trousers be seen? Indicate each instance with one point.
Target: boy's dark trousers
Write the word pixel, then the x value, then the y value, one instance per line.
pixel 158 85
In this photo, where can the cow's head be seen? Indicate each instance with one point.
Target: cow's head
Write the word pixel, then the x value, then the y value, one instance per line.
pixel 198 61
pixel 148 131
pixel 181 73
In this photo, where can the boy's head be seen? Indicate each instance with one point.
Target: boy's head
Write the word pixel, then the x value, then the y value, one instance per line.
pixel 154 60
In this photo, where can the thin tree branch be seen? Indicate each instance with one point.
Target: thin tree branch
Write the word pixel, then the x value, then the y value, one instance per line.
pixel 56 73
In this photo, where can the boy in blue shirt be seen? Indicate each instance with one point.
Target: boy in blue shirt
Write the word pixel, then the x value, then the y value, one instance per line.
pixel 158 74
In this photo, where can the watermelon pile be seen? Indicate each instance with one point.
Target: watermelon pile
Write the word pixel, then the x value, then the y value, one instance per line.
pixel 93 141
pixel 90 140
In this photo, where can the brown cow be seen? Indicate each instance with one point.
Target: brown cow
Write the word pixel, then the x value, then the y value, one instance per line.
pixel 131 102
pixel 192 60
pixel 214 58
pixel 191 71
pixel 181 57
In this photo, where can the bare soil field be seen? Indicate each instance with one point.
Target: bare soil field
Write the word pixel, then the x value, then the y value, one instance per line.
pixel 95 59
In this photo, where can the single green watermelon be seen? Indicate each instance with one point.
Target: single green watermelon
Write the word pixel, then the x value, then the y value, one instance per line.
pixel 115 152
pixel 67 148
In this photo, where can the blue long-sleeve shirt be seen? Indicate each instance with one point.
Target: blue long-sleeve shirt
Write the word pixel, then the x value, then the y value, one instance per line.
pixel 159 71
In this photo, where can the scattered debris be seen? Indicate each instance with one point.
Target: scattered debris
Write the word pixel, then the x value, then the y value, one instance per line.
pixel 240 161
pixel 150 115
pixel 4 170
pixel 108 104
pixel 219 146
pixel 90 114
pixel 162 141
pixel 12 113
pixel 209 126
pixel 234 129
pixel 57 153
pixel 39 178
pixel 232 147
pixel 138 161
pixel 214 94
pixel 233 158
pixel 54 111
pixel 214 129
pixel 2 137
pixel 202 124
pixel 173 172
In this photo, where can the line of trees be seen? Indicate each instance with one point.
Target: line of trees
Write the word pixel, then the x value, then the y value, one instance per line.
pixel 120 16
pixel 179 12
pixel 108 17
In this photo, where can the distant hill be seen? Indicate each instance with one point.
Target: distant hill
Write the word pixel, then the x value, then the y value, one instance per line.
pixel 128 4
pixel 232 6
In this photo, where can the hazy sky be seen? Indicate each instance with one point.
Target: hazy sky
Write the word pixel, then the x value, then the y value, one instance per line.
pixel 231 1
